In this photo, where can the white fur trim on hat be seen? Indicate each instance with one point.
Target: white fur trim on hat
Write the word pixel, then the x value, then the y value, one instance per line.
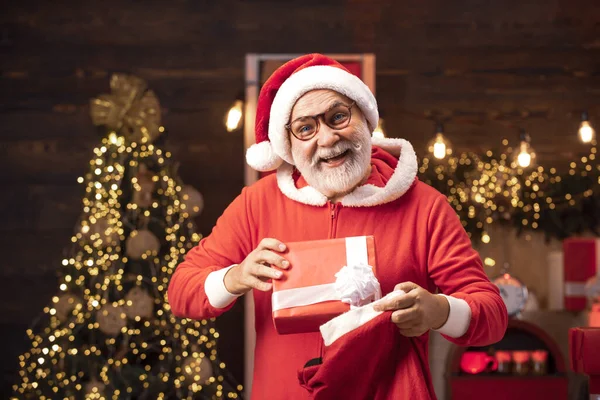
pixel 261 157
pixel 313 78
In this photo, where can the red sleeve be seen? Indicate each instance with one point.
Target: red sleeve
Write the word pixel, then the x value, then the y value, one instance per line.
pixel 457 270
pixel 228 244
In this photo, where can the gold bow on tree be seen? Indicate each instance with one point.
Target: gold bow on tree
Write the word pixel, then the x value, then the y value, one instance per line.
pixel 129 109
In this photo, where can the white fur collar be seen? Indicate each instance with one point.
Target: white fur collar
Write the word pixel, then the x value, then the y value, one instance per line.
pixel 366 195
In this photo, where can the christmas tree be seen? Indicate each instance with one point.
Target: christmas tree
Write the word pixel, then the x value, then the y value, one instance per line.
pixel 109 333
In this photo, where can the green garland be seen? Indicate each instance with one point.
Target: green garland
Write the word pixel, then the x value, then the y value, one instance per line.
pixel 491 188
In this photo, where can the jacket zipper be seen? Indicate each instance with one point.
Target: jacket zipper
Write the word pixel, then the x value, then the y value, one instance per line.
pixel 333 214
pixel 334 209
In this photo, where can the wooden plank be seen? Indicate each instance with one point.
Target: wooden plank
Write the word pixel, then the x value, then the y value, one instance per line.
pixel 34 253
pixel 65 160
pixel 206 121
pixel 49 207
pixel 451 60
pixel 37 125
pixel 98 60
pixel 76 60
pixel 431 22
pixel 402 95
pixel 70 93
pixel 199 93
pixel 37 160
pixel 39 206
pixel 151 24
pixel 23 299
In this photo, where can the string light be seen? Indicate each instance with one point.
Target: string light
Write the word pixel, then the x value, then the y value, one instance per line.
pixel 233 119
pixel 526 154
pixel 493 187
pixel 586 132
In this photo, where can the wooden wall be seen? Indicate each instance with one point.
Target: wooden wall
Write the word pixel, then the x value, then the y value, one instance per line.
pixel 483 64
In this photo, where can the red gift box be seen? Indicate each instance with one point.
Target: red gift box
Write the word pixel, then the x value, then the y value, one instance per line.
pixel 304 298
pixel 581 259
pixel 584 351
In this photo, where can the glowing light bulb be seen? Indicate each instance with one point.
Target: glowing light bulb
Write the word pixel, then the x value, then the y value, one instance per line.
pixel 586 132
pixel 112 138
pixel 439 147
pixel 234 116
pixel 524 159
pixel 526 154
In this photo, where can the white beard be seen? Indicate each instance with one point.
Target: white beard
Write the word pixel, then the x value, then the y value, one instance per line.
pixel 339 180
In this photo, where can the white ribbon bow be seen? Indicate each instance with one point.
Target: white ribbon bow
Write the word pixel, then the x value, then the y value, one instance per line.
pixel 357 285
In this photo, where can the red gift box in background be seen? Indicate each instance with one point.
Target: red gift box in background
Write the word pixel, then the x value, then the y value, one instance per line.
pixel 581 259
pixel 584 352
pixel 301 299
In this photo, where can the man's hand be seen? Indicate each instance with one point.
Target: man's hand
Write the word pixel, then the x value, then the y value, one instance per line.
pixel 255 271
pixel 417 311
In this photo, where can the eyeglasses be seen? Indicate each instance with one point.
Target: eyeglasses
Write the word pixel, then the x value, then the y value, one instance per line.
pixel 336 117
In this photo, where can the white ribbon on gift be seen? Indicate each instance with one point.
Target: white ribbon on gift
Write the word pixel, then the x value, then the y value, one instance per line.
pixel 575 289
pixel 581 289
pixel 355 284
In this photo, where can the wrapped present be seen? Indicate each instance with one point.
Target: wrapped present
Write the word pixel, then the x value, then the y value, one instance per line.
pixel 583 351
pixel 581 259
pixel 325 279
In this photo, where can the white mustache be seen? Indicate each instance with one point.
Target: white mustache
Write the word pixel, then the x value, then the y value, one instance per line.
pixel 338 149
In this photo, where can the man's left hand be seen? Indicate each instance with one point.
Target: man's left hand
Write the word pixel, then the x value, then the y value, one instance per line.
pixel 416 311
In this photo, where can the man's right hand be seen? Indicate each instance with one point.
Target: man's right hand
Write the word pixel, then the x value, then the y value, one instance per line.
pixel 255 271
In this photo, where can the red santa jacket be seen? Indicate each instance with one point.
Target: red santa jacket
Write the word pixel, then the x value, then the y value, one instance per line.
pixel 418 238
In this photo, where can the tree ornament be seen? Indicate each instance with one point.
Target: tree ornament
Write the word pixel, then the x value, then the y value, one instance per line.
pixel 143 187
pixel 142 304
pixel 65 305
pixel 198 369
pixel 95 389
pixel 102 229
pixel 129 109
pixel 141 242
pixel 191 200
pixel 111 319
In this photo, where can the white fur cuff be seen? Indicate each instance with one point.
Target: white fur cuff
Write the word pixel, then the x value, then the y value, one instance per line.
pixel 216 292
pixel 459 318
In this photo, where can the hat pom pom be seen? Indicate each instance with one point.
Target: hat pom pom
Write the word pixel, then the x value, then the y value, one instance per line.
pixel 261 157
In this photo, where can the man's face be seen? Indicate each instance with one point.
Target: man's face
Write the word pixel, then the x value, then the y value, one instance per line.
pixel 334 161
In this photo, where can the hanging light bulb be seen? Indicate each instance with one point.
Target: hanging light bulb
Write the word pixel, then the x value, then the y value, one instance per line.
pixel 526 154
pixel 586 132
pixel 440 147
pixel 233 119
pixel 379 132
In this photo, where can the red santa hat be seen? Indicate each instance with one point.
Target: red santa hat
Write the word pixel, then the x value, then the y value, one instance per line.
pixel 281 91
